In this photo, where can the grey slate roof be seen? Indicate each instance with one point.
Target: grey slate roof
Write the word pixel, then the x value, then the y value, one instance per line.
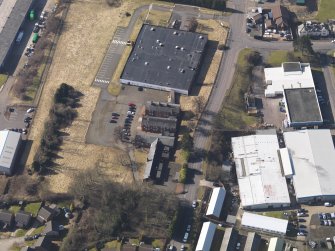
pixel 12 26
pixel 6 217
pixel 22 219
pixel 160 109
pixel 165 57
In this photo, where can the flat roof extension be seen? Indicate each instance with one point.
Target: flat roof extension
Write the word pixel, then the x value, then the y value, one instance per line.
pixel 164 58
pixel 302 105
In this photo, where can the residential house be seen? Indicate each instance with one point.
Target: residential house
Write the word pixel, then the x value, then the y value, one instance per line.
pixel 165 126
pixel 45 214
pixel 23 219
pixel 43 244
pixel 160 109
pixel 6 219
pixel 51 229
pixel 280 17
pixel 153 160
pixel 313 29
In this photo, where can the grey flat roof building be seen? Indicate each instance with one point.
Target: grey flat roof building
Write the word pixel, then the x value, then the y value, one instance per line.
pixel 11 26
pixel 9 144
pixel 303 107
pixel 164 59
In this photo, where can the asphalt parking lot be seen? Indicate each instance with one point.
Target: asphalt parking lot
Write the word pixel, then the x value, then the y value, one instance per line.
pixel 14 117
pixel 101 131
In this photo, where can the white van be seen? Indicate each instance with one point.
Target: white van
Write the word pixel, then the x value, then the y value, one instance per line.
pixel 185 237
pixel 328 204
pixel 19 37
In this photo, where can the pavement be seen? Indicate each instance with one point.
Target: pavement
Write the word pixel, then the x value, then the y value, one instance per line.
pixel 6 244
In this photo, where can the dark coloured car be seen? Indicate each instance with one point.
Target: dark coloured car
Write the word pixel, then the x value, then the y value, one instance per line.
pixel 258 37
pixel 114 117
pixel 113 121
pixel 115 114
pixel 27 119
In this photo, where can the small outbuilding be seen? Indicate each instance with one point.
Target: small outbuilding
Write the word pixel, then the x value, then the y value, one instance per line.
pixel 51 229
pixel 216 202
pixel 9 145
pixel 206 237
pixel 45 214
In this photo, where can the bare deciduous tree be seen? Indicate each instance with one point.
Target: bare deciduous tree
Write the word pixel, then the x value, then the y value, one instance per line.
pixel 199 103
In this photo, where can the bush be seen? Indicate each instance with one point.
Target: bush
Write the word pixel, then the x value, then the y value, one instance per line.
pixel 183 174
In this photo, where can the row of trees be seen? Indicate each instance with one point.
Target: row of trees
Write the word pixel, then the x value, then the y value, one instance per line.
pixel 30 76
pixel 116 210
pixel 61 115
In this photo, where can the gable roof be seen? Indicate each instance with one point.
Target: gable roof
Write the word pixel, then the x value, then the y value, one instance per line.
pixel 23 218
pixel 51 226
pixel 43 243
pixel 280 15
pixel 6 216
pixel 45 213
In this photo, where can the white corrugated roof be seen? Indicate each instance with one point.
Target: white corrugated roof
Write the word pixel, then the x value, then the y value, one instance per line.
pixel 286 162
pixel 280 80
pixel 206 236
pixel 9 141
pixel 150 158
pixel 216 202
pixel 264 222
pixel 258 170
pixel 276 244
pixel 313 158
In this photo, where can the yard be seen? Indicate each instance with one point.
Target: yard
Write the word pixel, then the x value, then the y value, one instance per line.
pixel 72 65
pixel 276 58
pixel 232 115
pixel 33 208
pixel 326 10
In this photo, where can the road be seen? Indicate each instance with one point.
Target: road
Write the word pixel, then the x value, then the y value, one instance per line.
pixel 237 41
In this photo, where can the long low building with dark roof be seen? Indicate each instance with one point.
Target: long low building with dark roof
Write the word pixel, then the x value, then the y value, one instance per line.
pixel 165 59
pixel 13 14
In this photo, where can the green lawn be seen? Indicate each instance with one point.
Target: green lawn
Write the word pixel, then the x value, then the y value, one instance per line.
pixel 14 209
pixel 276 58
pixel 232 115
pixel 326 10
pixel 33 208
pixel 113 244
pixel 20 233
pixel 3 79
pixel 275 214
pixel 38 230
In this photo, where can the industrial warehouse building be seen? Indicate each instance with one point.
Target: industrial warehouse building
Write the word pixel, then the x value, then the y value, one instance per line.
pixel 229 240
pixel 164 59
pixel 253 242
pixel 13 13
pixel 206 237
pixel 312 156
pixel 216 202
pixel 294 81
pixel 276 244
pixel 261 181
pixel 264 224
pixel 9 145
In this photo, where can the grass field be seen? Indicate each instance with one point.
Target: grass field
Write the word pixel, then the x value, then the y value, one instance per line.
pixel 32 208
pixel 14 209
pixel 232 115
pixel 20 232
pixel 3 79
pixel 326 10
pixel 276 58
pixel 275 214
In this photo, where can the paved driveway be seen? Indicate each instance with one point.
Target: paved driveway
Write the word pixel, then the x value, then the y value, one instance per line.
pixel 5 244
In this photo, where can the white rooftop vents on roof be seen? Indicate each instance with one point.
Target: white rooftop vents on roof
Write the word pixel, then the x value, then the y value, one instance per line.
pixel 258 170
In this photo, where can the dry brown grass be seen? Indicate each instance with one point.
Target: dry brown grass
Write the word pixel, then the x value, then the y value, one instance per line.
pixel 216 33
pixel 76 62
pixel 141 159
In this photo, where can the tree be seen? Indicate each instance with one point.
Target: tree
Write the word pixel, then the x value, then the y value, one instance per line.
pixel 186 142
pixel 114 3
pixel 199 103
pixel 304 45
pixel 254 58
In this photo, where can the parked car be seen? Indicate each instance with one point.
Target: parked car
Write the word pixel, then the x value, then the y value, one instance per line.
pixel 28 238
pixel 188 228
pixel 194 204
pixel 115 114
pixel 301 234
pixel 131 104
pixel 113 121
pixel 328 204
pixel 185 237
pixel 182 247
pixel 114 117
